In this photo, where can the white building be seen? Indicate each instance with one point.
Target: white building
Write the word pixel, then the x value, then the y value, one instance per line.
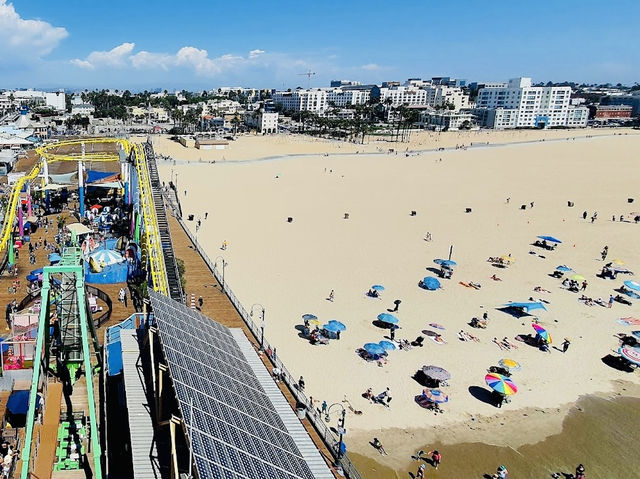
pixel 446 120
pixel 314 100
pixel 55 100
pixel 521 105
pixel 341 98
pixel 84 109
pixel 418 93
pixel 263 122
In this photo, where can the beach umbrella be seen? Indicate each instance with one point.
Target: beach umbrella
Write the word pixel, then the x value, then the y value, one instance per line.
pixel 435 396
pixel 619 262
pixel 501 384
pixel 377 287
pixel 107 256
pixel 373 348
pixel 333 327
pixel 630 354
pixel 636 334
pixel 445 262
pixel 388 318
pixel 309 316
pixel 510 364
pixel 506 257
pixel 315 322
pixel 337 324
pixel 436 372
pixel 550 238
pixel 543 333
pixel 387 345
pixel 577 277
pixel 431 283
pixel 563 268
pixel 54 257
pixel 531 306
pixel 632 284
pixel 437 326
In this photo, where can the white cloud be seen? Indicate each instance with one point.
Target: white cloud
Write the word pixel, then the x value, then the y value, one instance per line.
pixel 32 37
pixel 187 57
pixel 371 67
pixel 116 57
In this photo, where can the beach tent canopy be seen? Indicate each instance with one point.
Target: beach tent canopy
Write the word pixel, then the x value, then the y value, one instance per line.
pixel 531 306
pixel 79 229
pixel 550 239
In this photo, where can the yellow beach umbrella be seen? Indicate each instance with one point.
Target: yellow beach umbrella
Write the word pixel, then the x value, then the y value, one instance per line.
pixel 315 322
pixel 510 364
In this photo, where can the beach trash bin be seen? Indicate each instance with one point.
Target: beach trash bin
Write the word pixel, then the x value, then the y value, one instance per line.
pixel 190 217
pixel 570 204
pixel 629 200
pixel 346 216
pixel 523 207
pixel 467 210
pixel 413 213
pixel 289 219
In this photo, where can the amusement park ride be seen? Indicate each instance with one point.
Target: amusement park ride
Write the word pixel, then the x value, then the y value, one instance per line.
pixel 68 356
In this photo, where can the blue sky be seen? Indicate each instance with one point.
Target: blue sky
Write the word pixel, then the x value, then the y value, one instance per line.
pixel 197 44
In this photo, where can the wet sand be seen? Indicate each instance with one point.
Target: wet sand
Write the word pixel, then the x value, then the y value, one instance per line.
pixel 598 432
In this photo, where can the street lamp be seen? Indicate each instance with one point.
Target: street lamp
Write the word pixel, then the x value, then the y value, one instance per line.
pixel 261 323
pixel 224 263
pixel 341 429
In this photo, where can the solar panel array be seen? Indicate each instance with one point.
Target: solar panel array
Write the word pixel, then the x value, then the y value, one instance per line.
pixel 236 431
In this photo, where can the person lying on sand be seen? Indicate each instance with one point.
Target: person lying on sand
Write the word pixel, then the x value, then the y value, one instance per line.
pixel 404 344
pixel 508 344
pixel 500 345
pixel 588 301
pixel 438 339
pixel 464 336
pixel 540 289
pixel 495 278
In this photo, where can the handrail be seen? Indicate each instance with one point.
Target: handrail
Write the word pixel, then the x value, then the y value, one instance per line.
pixel 325 433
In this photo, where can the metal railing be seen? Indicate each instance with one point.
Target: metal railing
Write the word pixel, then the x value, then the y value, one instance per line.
pixel 327 435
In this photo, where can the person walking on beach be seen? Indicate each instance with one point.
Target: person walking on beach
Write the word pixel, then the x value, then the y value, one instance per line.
pixel 301 384
pixel 584 215
pixel 124 297
pixel 200 302
pixel 331 295
pixel 584 285
pixel 580 472
pixel 436 458
pixel 324 407
pixel 420 472
pixel 565 345
pixel 397 305
pixel 611 300
pixel 605 252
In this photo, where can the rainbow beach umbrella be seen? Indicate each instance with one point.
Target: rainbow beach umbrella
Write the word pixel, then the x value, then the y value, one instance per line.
pixel 501 384
pixel 543 333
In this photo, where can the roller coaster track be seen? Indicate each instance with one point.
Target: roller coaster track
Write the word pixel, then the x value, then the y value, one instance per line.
pixel 152 244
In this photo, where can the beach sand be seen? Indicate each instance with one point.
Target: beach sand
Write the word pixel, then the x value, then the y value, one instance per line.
pixel 290 268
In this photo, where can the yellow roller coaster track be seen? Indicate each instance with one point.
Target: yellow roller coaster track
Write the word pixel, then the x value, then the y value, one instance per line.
pixel 152 244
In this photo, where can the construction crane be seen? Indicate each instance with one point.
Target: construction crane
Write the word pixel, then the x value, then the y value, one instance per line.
pixel 308 74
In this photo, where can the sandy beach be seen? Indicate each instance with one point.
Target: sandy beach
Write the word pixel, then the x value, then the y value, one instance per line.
pixel 290 268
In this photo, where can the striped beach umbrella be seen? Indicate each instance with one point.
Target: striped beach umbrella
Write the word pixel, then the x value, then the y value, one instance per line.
pixel 435 396
pixel 510 364
pixel 630 354
pixel 501 384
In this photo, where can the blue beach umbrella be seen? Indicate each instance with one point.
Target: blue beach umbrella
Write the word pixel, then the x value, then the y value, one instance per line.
pixel 527 306
pixel 632 284
pixel 430 283
pixel 563 268
pixel 337 324
pixel 388 318
pixel 333 327
pixel 550 238
pixel 445 262
pixel 309 316
pixel 377 287
pixel 373 348
pixel 387 345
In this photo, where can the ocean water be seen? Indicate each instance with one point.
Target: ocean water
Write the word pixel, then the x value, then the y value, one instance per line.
pixel 600 433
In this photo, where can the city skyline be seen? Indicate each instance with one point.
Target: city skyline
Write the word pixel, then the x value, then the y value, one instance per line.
pixel 201 46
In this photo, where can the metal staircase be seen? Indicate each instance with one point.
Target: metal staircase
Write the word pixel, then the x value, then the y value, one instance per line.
pixel 171 266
